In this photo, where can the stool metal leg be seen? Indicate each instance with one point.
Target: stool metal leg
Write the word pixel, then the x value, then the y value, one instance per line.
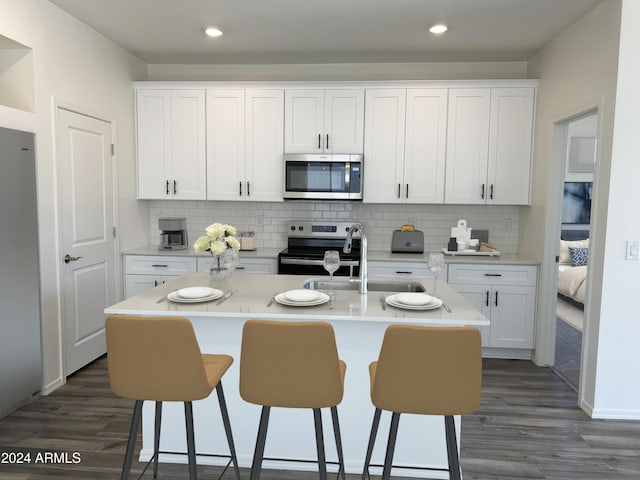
pixel 322 464
pixel 372 442
pixel 336 434
pixel 391 445
pixel 156 438
pixel 191 447
pixel 452 448
pixel 256 467
pixel 227 428
pixel 131 443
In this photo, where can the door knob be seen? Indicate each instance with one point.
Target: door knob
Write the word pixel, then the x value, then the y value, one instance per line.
pixel 68 258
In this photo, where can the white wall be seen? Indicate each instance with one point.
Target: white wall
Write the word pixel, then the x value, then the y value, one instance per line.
pixel 615 394
pixel 76 66
pixel 343 71
pixel 578 71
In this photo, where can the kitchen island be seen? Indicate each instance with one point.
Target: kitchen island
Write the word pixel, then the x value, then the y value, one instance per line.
pixel 359 322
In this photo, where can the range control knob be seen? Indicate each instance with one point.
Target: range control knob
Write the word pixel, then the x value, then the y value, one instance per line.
pixel 301 228
pixel 293 228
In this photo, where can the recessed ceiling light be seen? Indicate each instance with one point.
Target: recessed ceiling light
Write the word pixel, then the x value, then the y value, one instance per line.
pixel 438 28
pixel 213 32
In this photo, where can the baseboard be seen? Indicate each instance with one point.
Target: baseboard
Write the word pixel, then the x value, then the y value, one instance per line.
pixel 614 414
pixel 51 387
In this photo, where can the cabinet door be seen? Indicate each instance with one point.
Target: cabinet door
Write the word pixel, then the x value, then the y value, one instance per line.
pixel 425 146
pixel 225 144
pixel 303 117
pixel 479 296
pixel 509 172
pixel 264 146
pixel 187 175
pixel 467 145
pixel 343 121
pixel 135 284
pixel 153 142
pixel 512 316
pixel 384 145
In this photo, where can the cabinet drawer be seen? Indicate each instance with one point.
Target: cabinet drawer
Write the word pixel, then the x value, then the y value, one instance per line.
pixel 159 265
pixel 493 274
pixel 399 269
pixel 247 265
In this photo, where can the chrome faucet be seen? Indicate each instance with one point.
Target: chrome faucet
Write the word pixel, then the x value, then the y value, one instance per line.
pixel 357 227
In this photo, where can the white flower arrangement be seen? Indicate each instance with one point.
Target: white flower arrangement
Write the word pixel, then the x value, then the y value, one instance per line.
pixel 219 237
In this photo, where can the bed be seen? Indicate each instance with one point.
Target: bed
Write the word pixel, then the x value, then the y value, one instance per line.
pixel 572 266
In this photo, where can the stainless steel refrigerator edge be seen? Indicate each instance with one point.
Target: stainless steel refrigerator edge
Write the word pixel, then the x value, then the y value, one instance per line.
pixel 20 338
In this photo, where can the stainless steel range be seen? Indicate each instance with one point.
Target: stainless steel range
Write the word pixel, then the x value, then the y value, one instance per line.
pixel 306 243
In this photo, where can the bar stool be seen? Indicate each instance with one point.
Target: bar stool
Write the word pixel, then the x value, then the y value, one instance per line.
pixel 158 358
pixel 294 365
pixel 425 371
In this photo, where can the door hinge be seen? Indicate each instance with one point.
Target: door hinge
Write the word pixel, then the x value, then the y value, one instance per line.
pixel 114 232
pixel 113 149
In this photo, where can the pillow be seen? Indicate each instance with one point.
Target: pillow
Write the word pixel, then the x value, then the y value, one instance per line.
pixel 565 256
pixel 579 256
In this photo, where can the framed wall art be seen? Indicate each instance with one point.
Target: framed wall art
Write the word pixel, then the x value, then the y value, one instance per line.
pixel 582 154
pixel 576 203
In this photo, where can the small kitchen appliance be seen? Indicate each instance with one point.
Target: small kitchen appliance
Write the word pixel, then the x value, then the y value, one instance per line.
pixel 173 233
pixel 407 241
pixel 308 240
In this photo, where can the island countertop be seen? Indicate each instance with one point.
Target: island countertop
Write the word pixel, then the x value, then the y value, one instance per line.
pixel 251 293
pixel 359 322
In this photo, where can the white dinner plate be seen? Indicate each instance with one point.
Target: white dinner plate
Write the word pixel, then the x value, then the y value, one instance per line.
pixel 197 292
pixel 302 295
pixel 435 303
pixel 282 299
pixel 414 299
pixel 175 297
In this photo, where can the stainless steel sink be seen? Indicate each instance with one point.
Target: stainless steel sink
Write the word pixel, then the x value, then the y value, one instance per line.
pixel 373 285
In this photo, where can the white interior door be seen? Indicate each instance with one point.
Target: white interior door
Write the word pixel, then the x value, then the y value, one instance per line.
pixel 86 234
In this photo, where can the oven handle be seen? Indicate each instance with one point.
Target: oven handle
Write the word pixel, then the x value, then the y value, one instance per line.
pixel 306 261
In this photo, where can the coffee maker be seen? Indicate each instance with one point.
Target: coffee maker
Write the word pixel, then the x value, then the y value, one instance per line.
pixel 173 233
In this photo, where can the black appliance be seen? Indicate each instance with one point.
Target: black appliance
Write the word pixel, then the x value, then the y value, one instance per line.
pixel 308 240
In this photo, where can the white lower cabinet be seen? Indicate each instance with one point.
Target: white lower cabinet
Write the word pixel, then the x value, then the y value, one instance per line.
pixel 142 272
pixel 398 269
pixel 247 264
pixel 506 295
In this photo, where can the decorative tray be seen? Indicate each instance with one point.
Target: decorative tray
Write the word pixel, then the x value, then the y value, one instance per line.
pixel 470 253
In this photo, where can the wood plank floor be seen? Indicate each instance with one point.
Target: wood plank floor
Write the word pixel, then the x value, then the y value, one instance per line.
pixel 528 427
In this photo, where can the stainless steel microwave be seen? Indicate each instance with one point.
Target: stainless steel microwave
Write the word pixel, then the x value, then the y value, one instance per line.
pixel 323 177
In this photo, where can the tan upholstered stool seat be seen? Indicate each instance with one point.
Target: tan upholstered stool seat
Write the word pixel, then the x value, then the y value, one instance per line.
pixel 293 365
pixel 425 371
pixel 158 359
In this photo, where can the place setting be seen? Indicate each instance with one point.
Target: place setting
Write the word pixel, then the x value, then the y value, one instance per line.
pixel 301 298
pixel 195 295
pixel 413 301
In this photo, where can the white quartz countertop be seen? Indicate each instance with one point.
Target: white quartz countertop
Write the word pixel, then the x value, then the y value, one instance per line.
pixel 251 294
pixel 376 255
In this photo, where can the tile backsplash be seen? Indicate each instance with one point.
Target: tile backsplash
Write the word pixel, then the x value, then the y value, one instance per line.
pixel 268 220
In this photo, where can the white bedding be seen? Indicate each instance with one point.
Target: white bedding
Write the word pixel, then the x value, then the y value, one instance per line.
pixel 572 282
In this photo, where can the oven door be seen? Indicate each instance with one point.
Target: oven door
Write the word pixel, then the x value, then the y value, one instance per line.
pixel 322 177
pixel 314 266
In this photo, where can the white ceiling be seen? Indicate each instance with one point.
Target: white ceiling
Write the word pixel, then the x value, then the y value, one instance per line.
pixel 328 31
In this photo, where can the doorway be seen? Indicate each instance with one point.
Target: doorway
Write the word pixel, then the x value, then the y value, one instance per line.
pixel 87 234
pixel 577 185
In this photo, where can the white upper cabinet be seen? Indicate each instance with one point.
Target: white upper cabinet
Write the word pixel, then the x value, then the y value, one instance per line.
pixel 324 121
pixel 489 146
pixel 425 146
pixel 384 144
pixel 405 140
pixel 467 145
pixel 244 144
pixel 510 142
pixel 170 135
